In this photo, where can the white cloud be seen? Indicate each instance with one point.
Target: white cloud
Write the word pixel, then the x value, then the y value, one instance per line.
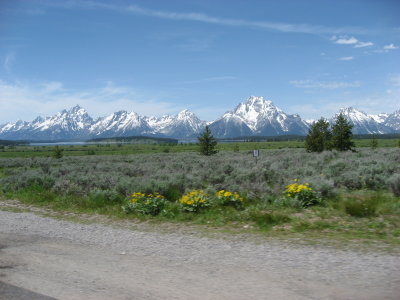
pixel 24 101
pixel 387 48
pixel 204 18
pixel 346 58
pixel 332 85
pixel 363 44
pixel 390 47
pixel 346 41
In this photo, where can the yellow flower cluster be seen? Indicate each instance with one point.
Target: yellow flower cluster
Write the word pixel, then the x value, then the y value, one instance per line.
pixel 195 197
pixel 225 194
pixel 138 195
pixel 293 189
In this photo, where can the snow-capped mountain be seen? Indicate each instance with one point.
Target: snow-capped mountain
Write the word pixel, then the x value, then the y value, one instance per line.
pixel 380 118
pixel 364 123
pixel 77 124
pixel 67 124
pixel 121 123
pixel 185 124
pixel 257 116
pixel 393 121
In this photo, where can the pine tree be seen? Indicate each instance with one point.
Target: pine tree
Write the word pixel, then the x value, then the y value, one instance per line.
pixel 319 136
pixel 57 152
pixel 207 142
pixel 341 134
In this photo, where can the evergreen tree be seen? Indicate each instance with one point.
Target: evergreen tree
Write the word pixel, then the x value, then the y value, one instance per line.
pixel 207 142
pixel 341 134
pixel 57 152
pixel 319 136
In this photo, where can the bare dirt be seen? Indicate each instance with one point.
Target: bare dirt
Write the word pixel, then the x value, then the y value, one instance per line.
pixel 68 260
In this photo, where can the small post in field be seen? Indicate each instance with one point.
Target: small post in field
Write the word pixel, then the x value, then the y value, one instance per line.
pixel 256 154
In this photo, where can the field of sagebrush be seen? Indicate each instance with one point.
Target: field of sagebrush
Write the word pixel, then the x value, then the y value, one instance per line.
pixel 358 191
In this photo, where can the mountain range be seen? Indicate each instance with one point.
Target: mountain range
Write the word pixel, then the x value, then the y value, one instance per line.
pixel 254 117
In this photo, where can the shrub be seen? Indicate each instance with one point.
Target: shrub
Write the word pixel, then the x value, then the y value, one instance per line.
pixel 145 204
pixel 194 201
pixel 172 193
pixel 324 186
pixel 103 197
pixel 226 198
pixel 303 193
pixel 361 206
pixel 374 182
pixel 350 180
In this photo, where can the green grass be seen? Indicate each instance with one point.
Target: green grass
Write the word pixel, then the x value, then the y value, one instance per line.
pixel 336 220
pixel 125 149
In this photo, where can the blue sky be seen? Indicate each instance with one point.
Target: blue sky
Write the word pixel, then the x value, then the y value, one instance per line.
pixel 158 57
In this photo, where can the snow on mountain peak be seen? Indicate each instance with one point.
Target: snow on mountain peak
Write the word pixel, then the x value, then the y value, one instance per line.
pixel 254 116
pixel 380 118
pixel 354 114
pixel 364 123
pixel 259 104
pixel 184 114
pixel 255 110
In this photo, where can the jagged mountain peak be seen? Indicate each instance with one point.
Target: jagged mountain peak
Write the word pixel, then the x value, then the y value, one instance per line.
pixel 258 100
pixel 38 119
pixel 393 120
pixel 184 124
pixel 259 117
pixel 255 104
pixel 364 123
pixel 185 113
pixel 76 108
pixel 254 116
pixel 354 114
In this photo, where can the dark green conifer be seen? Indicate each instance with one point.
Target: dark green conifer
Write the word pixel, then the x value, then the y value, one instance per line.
pixel 319 136
pixel 342 137
pixel 207 142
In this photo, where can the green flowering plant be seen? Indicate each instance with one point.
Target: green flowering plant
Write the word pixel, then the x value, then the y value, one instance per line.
pixel 302 193
pixel 145 204
pixel 194 201
pixel 227 198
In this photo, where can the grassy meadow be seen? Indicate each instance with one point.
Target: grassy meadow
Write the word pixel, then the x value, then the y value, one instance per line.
pixel 358 192
pixel 149 148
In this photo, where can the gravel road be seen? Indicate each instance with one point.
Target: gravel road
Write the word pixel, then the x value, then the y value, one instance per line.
pixel 68 260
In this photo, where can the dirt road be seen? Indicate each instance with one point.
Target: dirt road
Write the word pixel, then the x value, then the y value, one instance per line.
pixel 67 260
